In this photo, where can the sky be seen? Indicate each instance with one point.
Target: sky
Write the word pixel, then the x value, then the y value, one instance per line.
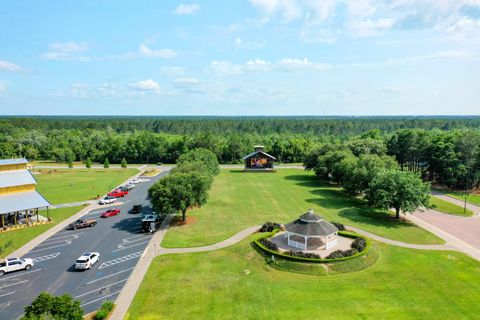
pixel 240 57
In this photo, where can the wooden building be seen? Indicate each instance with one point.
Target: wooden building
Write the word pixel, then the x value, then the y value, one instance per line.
pixel 259 160
pixel 18 197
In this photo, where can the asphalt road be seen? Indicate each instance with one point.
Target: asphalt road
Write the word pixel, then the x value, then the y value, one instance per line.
pixel 118 239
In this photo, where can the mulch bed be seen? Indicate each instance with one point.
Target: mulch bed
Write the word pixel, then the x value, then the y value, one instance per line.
pixel 177 221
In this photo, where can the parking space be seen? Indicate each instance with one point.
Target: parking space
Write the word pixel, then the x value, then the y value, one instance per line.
pixel 118 239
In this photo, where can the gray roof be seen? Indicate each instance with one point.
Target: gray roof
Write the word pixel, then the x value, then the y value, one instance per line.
pixel 22 201
pixel 12 161
pixel 310 224
pixel 16 178
pixel 256 152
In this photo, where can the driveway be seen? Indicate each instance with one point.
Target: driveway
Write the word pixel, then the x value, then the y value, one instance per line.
pixel 118 239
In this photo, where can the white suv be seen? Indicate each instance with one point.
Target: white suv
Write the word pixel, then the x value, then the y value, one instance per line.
pixel 14 264
pixel 107 200
pixel 87 260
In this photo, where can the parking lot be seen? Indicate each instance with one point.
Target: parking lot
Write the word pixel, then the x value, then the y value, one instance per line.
pixel 118 239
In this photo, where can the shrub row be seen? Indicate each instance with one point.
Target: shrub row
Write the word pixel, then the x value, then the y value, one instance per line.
pixel 301 254
pixel 304 258
pixel 342 254
pixel 105 310
pixel 339 226
pixel 359 244
pixel 268 244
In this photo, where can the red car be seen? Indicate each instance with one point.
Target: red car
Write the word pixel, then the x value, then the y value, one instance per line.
pixel 118 193
pixel 110 213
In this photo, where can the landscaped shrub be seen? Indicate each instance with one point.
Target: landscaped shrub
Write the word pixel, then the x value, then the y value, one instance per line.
pixel 105 309
pixel 269 244
pixel 359 244
pixel 270 226
pixel 301 254
pixel 342 254
pixel 339 226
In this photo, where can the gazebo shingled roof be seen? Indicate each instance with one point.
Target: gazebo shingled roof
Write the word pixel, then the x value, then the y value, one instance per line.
pixel 311 224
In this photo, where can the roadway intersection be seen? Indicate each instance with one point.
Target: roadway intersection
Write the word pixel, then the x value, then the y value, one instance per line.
pixel 118 239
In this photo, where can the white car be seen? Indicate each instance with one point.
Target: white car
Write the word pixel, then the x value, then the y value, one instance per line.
pixel 135 181
pixel 14 264
pixel 107 200
pixel 87 260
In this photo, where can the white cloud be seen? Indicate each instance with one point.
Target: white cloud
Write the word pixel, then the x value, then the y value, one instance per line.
pixel 259 65
pixel 67 51
pixel 247 45
pixel 186 81
pixel 145 85
pixel 268 7
pixel 160 53
pixel 10 66
pixel 185 9
pixel 371 27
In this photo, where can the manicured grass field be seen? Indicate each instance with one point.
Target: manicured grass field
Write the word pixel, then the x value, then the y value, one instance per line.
pixel 239 200
pixel 236 283
pixel 448 207
pixel 72 185
pixel 19 237
pixel 473 198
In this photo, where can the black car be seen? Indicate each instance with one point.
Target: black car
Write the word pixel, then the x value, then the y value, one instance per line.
pixel 136 208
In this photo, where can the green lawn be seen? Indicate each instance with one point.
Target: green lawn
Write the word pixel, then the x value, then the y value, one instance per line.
pixel 239 200
pixel 236 283
pixel 473 198
pixel 448 207
pixel 72 185
pixel 20 237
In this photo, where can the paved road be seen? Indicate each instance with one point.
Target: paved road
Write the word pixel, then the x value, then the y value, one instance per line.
pixel 118 239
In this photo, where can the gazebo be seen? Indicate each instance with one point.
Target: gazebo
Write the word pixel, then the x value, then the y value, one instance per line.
pixel 311 230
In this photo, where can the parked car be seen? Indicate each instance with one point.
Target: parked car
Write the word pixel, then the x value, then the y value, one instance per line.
pixel 87 260
pixel 151 222
pixel 14 264
pixel 107 200
pixel 135 181
pixel 127 187
pixel 110 213
pixel 82 223
pixel 117 193
pixel 137 208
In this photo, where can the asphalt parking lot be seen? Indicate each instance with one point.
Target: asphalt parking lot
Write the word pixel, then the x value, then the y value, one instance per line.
pixel 118 239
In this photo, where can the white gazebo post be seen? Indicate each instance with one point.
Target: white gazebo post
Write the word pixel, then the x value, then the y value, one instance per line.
pixel 305 239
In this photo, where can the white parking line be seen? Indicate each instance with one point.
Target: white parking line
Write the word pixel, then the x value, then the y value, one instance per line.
pixel 56 237
pixel 110 275
pixel 18 275
pixel 133 238
pixel 96 290
pixel 47 257
pixel 13 284
pixel 47 243
pixel 108 295
pixel 6 294
pixel 122 247
pixel 120 260
pixel 53 247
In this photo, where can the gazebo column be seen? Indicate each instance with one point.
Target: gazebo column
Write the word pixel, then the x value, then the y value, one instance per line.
pixel 306 242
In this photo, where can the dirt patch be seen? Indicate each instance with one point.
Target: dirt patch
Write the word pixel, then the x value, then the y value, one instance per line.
pixel 177 221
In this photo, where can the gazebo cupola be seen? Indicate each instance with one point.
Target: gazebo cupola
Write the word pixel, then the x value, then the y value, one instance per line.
pixel 311 232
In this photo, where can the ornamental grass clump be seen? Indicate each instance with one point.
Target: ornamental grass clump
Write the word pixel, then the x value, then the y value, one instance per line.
pixel 267 243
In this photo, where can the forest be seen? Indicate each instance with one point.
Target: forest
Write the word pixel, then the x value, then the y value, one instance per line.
pixel 443 150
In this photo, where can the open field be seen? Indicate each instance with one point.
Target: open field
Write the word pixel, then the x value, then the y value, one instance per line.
pixel 237 283
pixel 448 207
pixel 239 200
pixel 21 236
pixel 72 185
pixel 78 164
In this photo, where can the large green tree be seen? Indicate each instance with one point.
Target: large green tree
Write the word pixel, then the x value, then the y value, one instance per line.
pixel 400 190
pixel 46 306
pixel 201 155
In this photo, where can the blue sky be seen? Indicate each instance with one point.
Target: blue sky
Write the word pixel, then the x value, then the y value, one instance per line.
pixel 245 57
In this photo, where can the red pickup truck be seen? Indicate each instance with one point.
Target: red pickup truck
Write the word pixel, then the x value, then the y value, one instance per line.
pixel 118 193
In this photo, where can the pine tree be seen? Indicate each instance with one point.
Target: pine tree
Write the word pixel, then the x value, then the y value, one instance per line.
pixel 123 163
pixel 88 163
pixel 106 164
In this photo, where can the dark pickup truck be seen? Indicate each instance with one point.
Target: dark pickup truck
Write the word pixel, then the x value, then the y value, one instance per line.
pixel 82 224
pixel 137 208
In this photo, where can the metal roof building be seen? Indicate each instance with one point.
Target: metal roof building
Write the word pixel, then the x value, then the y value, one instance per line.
pixel 17 192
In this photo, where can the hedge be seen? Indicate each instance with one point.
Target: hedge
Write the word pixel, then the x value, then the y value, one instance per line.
pixel 310 260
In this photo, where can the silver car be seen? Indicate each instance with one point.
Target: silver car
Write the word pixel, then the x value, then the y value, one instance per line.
pixel 87 260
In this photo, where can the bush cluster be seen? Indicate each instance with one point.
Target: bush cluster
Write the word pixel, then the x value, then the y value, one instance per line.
pixel 341 254
pixel 359 244
pixel 267 243
pixel 105 309
pixel 301 254
pixel 339 226
pixel 270 226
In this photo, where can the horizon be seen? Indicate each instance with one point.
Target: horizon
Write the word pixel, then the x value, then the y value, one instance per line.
pixel 241 58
